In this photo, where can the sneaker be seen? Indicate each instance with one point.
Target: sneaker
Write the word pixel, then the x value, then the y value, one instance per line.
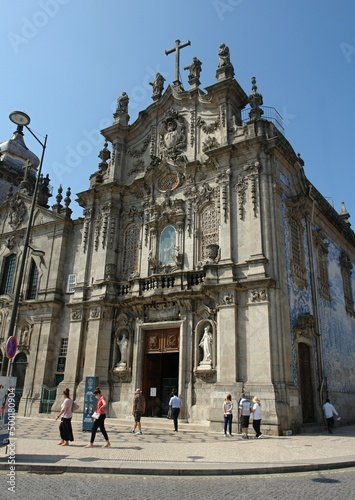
pixel 139 432
pixel 132 431
pixel 260 435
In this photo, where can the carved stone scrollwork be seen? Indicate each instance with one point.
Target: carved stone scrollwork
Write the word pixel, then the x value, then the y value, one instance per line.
pixel 212 253
pixel 223 180
pixel 122 375
pixel 228 299
pixel 107 312
pixel 95 312
pixel 192 127
pixel 305 327
pixel 76 314
pixel 206 375
pixel 98 227
pixel 87 222
pixel 258 295
pixel 208 128
pixel 241 188
pixel 162 311
pixel 137 153
pixel 210 143
pixel 111 272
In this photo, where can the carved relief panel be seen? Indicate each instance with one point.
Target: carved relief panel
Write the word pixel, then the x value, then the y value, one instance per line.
pixel 160 341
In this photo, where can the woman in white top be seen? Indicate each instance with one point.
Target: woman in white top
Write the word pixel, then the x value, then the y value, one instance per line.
pixel 65 415
pixel 228 415
pixel 256 410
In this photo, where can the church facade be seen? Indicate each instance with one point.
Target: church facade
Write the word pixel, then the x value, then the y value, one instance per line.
pixel 205 261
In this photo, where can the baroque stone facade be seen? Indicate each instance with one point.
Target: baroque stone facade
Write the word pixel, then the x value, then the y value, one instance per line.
pixel 205 261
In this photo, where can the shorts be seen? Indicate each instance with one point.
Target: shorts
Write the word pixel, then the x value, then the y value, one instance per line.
pixel 137 416
pixel 244 421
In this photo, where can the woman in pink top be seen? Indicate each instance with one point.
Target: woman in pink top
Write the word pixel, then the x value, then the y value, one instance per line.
pixel 99 423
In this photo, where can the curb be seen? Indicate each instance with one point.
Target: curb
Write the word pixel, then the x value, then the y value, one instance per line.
pixel 257 469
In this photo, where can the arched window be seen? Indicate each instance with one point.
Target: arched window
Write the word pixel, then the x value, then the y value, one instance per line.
pixel 167 248
pixel 209 226
pixel 32 281
pixel 8 274
pixel 298 266
pixel 131 251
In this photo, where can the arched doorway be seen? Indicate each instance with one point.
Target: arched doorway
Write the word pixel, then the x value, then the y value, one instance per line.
pixel 306 382
pixel 19 371
pixel 161 369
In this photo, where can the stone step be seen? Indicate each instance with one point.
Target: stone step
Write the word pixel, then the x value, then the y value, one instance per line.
pixel 160 423
pixel 314 428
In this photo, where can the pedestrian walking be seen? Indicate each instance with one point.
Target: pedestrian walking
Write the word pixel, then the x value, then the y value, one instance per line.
pixel 256 410
pixel 244 413
pixel 65 415
pixel 228 415
pixel 138 409
pixel 175 403
pixel 99 419
pixel 329 412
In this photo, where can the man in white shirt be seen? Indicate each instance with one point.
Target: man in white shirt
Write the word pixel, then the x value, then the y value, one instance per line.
pixel 245 407
pixel 175 403
pixel 329 411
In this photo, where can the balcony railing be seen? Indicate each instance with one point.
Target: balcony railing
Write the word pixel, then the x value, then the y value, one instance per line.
pixel 174 281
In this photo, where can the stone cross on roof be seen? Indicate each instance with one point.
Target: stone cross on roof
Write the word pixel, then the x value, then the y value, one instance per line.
pixel 177 49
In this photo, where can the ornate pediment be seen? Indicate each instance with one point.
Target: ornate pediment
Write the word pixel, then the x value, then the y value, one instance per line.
pixel 305 327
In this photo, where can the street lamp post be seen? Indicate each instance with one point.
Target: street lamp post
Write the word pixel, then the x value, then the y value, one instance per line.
pixel 20 118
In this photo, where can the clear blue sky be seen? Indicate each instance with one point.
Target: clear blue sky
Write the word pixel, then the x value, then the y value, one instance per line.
pixel 65 62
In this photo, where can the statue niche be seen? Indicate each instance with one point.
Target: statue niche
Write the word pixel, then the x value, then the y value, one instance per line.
pixel 123 345
pixel 206 344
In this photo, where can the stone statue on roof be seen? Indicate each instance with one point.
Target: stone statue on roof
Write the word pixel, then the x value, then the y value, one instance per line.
pixel 157 85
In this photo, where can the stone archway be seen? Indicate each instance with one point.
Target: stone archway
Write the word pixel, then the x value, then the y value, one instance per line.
pixel 160 369
pixel 306 382
pixel 305 337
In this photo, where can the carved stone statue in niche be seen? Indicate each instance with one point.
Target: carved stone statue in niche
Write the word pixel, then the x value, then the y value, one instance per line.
pixel 172 135
pixel 206 344
pixel 123 345
pixel 24 338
